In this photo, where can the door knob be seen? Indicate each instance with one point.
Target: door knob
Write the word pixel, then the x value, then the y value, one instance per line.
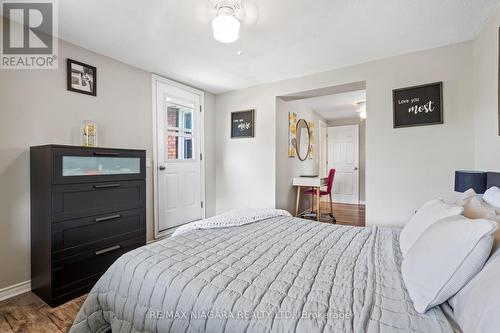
pixel 355 168
pixel 162 168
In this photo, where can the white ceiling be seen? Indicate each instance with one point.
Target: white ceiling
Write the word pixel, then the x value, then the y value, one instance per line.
pixel 332 107
pixel 280 38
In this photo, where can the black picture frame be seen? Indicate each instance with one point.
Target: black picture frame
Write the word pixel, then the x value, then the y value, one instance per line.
pixel 76 82
pixel 420 105
pixel 243 124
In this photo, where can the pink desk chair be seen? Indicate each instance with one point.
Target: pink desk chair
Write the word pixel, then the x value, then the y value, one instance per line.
pixel 329 186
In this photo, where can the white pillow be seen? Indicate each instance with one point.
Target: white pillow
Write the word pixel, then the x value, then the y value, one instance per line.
pixel 458 198
pixel 470 193
pixel 476 307
pixel 496 236
pixel 430 213
pixel 477 208
pixel 445 257
pixel 492 196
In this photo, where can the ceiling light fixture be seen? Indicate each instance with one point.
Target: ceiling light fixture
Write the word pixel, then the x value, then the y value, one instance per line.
pixel 225 25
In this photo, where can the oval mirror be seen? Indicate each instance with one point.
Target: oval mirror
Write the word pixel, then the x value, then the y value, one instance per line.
pixel 302 140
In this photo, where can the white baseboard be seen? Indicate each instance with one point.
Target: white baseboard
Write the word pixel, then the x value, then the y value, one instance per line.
pixel 15 289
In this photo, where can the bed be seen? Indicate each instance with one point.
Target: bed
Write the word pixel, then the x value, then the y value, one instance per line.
pixel 281 274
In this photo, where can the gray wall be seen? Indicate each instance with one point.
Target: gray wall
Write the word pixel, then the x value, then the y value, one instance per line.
pixel 486 90
pixel 362 150
pixel 405 166
pixel 36 108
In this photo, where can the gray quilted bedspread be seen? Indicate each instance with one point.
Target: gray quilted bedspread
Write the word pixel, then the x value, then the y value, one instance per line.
pixel 278 275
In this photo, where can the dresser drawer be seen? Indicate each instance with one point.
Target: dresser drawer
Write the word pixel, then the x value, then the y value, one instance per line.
pixel 81 270
pixel 80 200
pixel 71 237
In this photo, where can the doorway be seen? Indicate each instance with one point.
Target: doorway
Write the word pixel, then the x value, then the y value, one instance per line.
pixel 337 119
pixel 178 154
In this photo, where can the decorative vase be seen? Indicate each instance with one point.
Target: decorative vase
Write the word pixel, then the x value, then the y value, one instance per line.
pixel 89 134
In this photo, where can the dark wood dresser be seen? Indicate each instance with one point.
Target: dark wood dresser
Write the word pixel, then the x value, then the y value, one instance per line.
pixel 88 207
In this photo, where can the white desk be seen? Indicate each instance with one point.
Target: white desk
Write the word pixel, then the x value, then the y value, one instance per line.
pixel 314 182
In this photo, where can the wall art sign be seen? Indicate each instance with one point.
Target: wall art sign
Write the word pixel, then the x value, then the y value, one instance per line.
pixel 81 78
pixel 418 106
pixel 242 124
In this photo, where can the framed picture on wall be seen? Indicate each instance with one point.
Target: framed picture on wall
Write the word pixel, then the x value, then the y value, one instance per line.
pixel 242 124
pixel 418 106
pixel 81 78
pixel 292 127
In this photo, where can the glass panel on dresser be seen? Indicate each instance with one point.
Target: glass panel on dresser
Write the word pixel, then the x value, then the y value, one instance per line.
pixel 95 166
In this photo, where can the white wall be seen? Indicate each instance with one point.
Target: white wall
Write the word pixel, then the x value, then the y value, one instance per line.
pixel 36 108
pixel 362 150
pixel 486 95
pixel 405 167
pixel 292 167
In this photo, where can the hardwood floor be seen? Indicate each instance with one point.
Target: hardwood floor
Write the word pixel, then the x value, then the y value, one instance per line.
pixel 27 313
pixel 345 214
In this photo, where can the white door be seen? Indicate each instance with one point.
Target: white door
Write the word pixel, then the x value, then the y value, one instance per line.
pixel 343 156
pixel 179 181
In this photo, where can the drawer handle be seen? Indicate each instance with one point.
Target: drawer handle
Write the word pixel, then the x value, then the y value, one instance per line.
pixel 97 187
pixel 107 218
pixel 106 250
pixel 101 153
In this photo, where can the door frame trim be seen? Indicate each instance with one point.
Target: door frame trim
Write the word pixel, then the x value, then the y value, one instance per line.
pixel 324 124
pixel 155 79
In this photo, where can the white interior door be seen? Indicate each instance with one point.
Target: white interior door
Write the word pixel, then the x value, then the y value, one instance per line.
pixel 343 155
pixel 179 180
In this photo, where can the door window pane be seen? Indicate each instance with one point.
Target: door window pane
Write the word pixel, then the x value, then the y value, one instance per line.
pixel 179 132
pixel 188 148
pixel 180 117
pixel 172 147
pixel 188 120
pixel 172 116
pixel 179 147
